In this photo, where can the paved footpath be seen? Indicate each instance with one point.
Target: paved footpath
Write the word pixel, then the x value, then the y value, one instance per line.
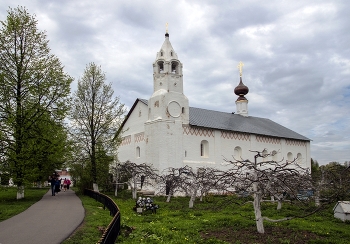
pixel 51 220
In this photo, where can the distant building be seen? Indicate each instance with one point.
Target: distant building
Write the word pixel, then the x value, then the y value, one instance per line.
pixel 166 132
pixel 63 173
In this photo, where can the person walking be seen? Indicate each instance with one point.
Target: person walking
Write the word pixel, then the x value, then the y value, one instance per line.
pixel 68 183
pixel 65 184
pixel 62 180
pixel 52 180
pixel 57 185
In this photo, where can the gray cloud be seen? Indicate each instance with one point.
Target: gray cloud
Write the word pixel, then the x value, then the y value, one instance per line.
pixel 296 55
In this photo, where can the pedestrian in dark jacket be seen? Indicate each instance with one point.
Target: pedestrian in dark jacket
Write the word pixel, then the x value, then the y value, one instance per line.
pixel 57 185
pixel 52 180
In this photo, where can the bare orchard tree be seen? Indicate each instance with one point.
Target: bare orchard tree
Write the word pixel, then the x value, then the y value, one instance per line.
pixel 174 179
pixel 192 182
pixel 268 178
pixel 202 181
pixel 135 173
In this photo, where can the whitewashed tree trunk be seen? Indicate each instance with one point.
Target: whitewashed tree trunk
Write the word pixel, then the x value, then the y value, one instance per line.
pixel 193 198
pixel 134 188
pixel 95 187
pixel 168 198
pixel 317 198
pixel 20 192
pixel 116 189
pixel 257 210
pixel 279 204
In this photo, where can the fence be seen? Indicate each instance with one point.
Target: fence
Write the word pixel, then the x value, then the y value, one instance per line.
pixel 113 229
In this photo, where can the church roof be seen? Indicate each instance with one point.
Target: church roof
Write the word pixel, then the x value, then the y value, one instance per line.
pixel 238 123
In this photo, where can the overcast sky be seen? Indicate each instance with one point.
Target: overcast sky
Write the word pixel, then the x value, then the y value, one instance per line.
pixel 296 55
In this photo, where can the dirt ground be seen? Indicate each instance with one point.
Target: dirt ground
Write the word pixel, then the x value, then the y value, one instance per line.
pixel 272 235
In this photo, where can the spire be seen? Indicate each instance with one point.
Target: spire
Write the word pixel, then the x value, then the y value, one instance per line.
pixel 241 90
pixel 166 52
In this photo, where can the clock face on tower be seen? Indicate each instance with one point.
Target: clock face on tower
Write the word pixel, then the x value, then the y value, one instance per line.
pixel 174 109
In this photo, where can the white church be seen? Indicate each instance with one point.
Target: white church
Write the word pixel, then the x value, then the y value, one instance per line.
pixel 164 131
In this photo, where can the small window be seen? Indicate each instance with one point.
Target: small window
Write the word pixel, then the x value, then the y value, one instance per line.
pixel 237 153
pixel 264 154
pixel 138 153
pixel 161 53
pixel 290 157
pixel 183 110
pixel 204 149
pixel 171 53
pixel 274 156
pixel 299 158
pixel 185 153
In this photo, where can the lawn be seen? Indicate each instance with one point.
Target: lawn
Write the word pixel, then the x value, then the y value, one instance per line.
pixel 219 219
pixel 224 219
pixel 10 206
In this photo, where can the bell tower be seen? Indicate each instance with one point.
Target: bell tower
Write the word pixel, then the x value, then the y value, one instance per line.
pixel 168 111
pixel 168 101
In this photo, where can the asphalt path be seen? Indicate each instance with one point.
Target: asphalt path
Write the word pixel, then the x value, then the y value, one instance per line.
pixel 51 220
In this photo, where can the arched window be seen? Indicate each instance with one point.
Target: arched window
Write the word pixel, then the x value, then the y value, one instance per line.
pixel 237 153
pixel 160 66
pixel 138 153
pixel 204 149
pixel 299 158
pixel 171 53
pixel 174 67
pixel 274 155
pixel 183 110
pixel 161 53
pixel 264 153
pixel 290 157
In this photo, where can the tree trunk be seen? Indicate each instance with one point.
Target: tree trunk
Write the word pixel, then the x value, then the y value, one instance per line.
pixel 95 187
pixel 257 210
pixel 317 198
pixel 20 192
pixel 116 189
pixel 134 188
pixel 279 204
pixel 168 198
pixel 193 198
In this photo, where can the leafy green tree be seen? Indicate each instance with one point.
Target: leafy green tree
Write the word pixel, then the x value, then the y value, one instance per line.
pixel 96 116
pixel 32 85
pixel 335 182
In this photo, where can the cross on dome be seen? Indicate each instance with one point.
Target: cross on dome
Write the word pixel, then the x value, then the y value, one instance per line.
pixel 240 68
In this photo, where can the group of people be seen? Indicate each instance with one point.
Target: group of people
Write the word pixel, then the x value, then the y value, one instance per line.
pixel 57 184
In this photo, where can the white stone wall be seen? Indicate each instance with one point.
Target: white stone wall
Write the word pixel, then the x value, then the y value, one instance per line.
pixel 134 136
pixel 222 145
pixel 167 143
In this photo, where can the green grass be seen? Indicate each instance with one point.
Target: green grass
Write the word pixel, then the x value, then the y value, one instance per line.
pixel 96 219
pixel 10 206
pixel 174 222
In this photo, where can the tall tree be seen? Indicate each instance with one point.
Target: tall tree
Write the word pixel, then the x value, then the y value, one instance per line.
pixel 32 84
pixel 95 116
